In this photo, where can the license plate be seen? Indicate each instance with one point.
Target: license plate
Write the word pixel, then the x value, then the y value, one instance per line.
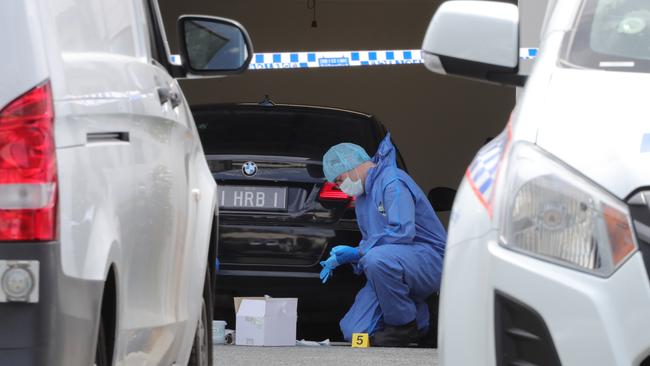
pixel 258 198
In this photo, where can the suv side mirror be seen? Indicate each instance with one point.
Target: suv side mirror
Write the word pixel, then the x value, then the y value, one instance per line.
pixel 474 39
pixel 442 198
pixel 213 45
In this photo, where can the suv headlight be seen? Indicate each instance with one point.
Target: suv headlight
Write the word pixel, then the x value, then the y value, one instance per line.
pixel 550 211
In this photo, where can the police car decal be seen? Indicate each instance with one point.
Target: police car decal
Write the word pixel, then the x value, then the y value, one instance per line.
pixel 483 172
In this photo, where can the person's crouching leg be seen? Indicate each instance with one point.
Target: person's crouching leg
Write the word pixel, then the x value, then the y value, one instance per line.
pixel 364 315
pixel 385 273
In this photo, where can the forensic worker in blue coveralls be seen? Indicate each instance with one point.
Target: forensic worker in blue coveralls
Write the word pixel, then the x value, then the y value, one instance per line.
pixel 401 249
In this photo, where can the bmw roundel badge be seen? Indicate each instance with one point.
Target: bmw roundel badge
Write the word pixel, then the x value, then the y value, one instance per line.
pixel 249 169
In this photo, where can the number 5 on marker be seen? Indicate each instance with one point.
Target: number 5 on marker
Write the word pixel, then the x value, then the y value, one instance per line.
pixel 360 340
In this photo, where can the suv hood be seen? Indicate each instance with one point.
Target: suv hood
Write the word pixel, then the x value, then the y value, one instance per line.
pixel 598 122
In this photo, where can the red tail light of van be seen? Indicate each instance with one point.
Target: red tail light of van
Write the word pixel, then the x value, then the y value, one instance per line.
pixel 28 182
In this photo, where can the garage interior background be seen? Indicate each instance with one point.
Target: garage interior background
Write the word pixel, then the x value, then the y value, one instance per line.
pixel 437 122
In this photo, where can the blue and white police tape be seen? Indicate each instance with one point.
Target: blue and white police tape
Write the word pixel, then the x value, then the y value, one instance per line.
pixel 305 60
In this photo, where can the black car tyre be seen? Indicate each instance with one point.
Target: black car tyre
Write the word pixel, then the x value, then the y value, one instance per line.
pixel 101 359
pixel 202 348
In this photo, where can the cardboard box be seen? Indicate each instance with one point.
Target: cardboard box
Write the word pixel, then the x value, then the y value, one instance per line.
pixel 266 321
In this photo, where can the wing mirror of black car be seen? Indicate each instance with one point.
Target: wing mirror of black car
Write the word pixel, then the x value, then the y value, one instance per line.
pixel 213 45
pixel 442 198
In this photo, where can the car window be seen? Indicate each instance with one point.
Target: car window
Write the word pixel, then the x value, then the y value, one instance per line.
pixel 306 134
pixel 611 35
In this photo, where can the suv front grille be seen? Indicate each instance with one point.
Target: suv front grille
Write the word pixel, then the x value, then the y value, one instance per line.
pixel 640 210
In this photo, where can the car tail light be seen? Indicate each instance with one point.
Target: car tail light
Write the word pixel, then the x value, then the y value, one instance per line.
pixel 331 192
pixel 28 180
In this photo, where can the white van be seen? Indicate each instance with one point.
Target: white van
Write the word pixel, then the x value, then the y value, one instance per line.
pixel 548 254
pixel 106 199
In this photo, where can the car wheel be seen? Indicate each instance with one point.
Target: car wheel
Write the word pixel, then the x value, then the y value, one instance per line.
pixel 100 353
pixel 202 348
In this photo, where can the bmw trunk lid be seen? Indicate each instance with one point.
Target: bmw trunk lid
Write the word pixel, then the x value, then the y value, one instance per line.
pixel 275 207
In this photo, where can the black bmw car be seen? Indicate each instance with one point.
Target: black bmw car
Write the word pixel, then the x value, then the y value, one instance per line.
pixel 278 217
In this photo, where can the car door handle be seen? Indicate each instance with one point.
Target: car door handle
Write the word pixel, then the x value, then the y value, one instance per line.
pixel 112 136
pixel 167 95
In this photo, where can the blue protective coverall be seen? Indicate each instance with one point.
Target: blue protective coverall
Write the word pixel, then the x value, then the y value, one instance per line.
pixel 402 250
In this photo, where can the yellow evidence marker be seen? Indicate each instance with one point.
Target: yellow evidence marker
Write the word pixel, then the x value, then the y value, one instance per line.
pixel 360 340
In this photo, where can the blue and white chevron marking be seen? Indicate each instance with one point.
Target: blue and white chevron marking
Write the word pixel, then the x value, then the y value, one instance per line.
pixel 306 60
pixel 483 172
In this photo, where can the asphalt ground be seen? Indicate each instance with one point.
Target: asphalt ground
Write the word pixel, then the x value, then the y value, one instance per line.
pixel 230 355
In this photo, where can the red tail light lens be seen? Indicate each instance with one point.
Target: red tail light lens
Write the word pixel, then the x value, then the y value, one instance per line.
pixel 331 192
pixel 28 167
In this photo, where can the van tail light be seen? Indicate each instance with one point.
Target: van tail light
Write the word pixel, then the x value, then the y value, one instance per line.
pixel 331 192
pixel 28 182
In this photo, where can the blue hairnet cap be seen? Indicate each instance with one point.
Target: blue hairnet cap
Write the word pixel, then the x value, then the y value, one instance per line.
pixel 341 158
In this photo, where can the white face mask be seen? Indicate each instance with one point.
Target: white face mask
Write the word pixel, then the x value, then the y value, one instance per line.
pixel 352 188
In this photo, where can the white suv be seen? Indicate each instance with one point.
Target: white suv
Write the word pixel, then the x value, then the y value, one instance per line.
pixel 106 200
pixel 548 255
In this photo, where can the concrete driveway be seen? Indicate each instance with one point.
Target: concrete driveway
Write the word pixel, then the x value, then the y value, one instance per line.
pixel 315 356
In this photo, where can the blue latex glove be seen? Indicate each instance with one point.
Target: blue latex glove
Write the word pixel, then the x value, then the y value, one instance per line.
pixel 346 254
pixel 328 267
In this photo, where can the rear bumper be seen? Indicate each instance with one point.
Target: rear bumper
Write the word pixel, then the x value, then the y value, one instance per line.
pixel 59 329
pixel 280 248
